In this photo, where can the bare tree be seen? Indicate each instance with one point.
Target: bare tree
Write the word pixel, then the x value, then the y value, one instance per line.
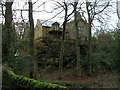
pixel 77 46
pixel 65 7
pixel 34 69
pixel 92 12
pixel 2 4
pixel 118 11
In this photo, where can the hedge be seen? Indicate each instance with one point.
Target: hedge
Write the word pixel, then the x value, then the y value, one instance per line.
pixel 24 82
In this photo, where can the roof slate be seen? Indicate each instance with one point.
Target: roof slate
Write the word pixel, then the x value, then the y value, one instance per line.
pixel 46 23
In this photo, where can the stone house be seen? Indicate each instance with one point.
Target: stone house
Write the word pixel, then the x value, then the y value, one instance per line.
pixel 50 29
pixel 82 27
pixel 47 29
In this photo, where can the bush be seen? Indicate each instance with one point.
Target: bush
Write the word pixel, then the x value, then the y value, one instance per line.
pixel 96 58
pixel 19 62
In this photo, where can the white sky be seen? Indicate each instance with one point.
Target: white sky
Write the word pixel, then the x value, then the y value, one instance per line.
pixel 119 14
pixel 18 4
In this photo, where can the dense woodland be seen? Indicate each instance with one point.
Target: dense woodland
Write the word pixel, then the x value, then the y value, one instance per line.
pixel 30 63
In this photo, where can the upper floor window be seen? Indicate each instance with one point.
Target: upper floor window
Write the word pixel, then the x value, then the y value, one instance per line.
pixel 55 26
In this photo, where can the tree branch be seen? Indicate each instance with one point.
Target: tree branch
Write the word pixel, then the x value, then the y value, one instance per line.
pixel 102 9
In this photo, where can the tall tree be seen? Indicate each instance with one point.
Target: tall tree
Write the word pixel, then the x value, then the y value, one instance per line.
pixel 77 39
pixel 89 35
pixel 65 5
pixel 8 33
pixel 62 40
pixel 92 12
pixel 118 33
pixel 33 67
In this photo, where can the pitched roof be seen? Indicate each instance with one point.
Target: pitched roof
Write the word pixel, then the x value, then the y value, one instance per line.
pixel 46 23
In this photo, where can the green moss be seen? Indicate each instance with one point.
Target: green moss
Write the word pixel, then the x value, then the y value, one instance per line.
pixel 24 82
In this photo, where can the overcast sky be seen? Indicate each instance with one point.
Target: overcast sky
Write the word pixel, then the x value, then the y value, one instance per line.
pixel 19 4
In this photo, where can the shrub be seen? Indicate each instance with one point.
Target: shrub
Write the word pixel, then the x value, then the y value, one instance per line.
pixel 19 62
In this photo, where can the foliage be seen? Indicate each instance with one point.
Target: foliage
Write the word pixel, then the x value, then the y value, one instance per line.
pixel 104 52
pixel 48 52
pixel 8 44
pixel 107 48
pixel 24 82
pixel 96 58
pixel 20 59
pixel 23 46
pixel 19 62
pixel 115 55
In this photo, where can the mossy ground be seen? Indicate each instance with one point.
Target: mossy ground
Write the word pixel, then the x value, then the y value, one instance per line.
pixel 16 81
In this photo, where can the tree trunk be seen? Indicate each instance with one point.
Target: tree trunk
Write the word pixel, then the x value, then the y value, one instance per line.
pixel 62 44
pixel 33 67
pixel 62 51
pixel 77 46
pixel 8 33
pixel 61 59
pixel 89 38
pixel 89 51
